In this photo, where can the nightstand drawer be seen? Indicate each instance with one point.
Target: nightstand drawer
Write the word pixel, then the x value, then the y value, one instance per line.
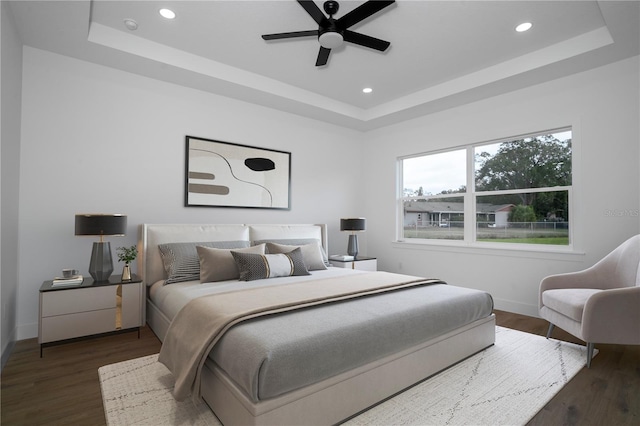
pixel 76 325
pixel 78 300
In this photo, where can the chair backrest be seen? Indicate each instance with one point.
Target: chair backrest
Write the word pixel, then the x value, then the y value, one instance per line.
pixel 621 267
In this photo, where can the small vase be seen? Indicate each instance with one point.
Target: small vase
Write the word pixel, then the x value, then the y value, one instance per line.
pixel 126 273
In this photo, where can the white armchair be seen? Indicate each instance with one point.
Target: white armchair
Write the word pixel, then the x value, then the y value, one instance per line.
pixel 600 304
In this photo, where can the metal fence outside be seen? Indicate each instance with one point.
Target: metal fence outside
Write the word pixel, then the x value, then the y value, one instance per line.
pixel 487 231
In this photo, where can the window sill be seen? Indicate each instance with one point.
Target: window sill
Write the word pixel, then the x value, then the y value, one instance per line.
pixel 494 249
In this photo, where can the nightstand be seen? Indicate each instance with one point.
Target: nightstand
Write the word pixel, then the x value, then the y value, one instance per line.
pixel 89 309
pixel 362 263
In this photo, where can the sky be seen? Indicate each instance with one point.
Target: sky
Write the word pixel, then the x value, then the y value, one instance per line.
pixel 435 173
pixel 446 170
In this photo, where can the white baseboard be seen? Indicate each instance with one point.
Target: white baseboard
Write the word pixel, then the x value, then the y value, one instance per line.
pixel 516 307
pixel 27 331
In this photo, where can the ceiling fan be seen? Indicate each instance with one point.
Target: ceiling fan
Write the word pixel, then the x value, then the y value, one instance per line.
pixel 332 32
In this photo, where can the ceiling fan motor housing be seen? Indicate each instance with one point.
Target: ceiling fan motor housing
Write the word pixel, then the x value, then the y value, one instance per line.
pixel 331 7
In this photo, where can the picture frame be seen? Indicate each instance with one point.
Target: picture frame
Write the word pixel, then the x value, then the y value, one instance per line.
pixel 225 174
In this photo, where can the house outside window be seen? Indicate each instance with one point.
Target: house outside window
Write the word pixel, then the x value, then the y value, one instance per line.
pixel 515 190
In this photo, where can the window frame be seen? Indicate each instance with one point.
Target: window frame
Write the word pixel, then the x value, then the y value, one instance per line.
pixel 470 197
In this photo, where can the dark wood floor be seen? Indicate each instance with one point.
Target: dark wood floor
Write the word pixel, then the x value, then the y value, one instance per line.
pixel 62 388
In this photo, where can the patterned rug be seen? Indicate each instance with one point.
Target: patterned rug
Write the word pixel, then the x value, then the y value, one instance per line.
pixel 506 384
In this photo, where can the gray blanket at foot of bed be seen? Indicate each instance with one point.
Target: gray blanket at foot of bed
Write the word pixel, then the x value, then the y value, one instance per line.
pixel 272 355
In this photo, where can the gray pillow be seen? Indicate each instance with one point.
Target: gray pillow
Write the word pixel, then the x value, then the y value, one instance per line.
pixel 258 266
pixel 298 242
pixel 311 253
pixel 218 264
pixel 181 262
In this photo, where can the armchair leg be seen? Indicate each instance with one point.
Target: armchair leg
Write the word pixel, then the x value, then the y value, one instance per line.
pixel 590 347
pixel 550 330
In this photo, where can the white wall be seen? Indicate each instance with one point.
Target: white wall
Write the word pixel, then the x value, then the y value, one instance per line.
pixel 95 139
pixel 11 84
pixel 602 105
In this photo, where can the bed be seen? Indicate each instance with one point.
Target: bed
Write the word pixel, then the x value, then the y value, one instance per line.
pixel 317 364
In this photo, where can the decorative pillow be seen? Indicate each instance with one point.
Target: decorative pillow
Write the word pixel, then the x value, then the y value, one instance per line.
pixel 181 262
pixel 219 265
pixel 259 266
pixel 311 253
pixel 298 242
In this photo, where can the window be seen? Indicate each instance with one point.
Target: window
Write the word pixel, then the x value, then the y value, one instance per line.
pixel 516 190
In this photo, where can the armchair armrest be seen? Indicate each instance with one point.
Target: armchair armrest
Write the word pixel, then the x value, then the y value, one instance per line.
pixel 613 316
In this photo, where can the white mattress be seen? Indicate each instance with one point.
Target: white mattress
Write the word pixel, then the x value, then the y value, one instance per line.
pixel 169 299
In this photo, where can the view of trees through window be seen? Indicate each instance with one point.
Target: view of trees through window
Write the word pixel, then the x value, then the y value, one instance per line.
pixel 515 191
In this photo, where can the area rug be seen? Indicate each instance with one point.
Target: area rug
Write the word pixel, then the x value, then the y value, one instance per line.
pixel 506 384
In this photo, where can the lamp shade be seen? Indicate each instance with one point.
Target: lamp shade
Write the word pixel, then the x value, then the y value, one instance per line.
pixel 101 224
pixel 101 265
pixel 353 224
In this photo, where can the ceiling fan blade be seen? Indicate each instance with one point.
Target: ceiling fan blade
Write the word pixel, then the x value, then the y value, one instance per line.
pixel 312 9
pixel 323 56
pixel 362 12
pixel 293 34
pixel 366 41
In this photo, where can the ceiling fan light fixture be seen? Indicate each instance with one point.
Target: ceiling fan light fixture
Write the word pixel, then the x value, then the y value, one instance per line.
pixel 367 90
pixel 331 40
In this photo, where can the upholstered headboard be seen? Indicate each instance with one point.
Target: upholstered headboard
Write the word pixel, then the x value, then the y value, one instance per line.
pixel 150 263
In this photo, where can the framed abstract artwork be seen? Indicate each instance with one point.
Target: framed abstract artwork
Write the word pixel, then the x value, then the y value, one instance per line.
pixel 223 174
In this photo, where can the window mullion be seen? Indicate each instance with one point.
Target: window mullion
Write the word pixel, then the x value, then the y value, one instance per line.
pixel 400 201
pixel 469 199
pixel 520 191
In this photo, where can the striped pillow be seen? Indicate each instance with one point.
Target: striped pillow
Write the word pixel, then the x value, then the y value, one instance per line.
pixel 181 261
pixel 258 266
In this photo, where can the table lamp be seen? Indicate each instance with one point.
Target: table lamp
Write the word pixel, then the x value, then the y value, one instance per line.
pixel 101 265
pixel 353 225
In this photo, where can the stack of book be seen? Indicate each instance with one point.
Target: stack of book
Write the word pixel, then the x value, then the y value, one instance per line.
pixel 342 257
pixel 74 280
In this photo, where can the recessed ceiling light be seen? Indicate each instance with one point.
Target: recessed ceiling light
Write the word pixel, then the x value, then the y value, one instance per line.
pixel 367 90
pixel 525 26
pixel 167 13
pixel 131 24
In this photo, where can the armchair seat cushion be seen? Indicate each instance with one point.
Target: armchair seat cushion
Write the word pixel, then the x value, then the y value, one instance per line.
pixel 568 301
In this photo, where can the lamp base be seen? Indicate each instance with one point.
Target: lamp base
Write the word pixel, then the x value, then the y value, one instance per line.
pixel 352 248
pixel 101 265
